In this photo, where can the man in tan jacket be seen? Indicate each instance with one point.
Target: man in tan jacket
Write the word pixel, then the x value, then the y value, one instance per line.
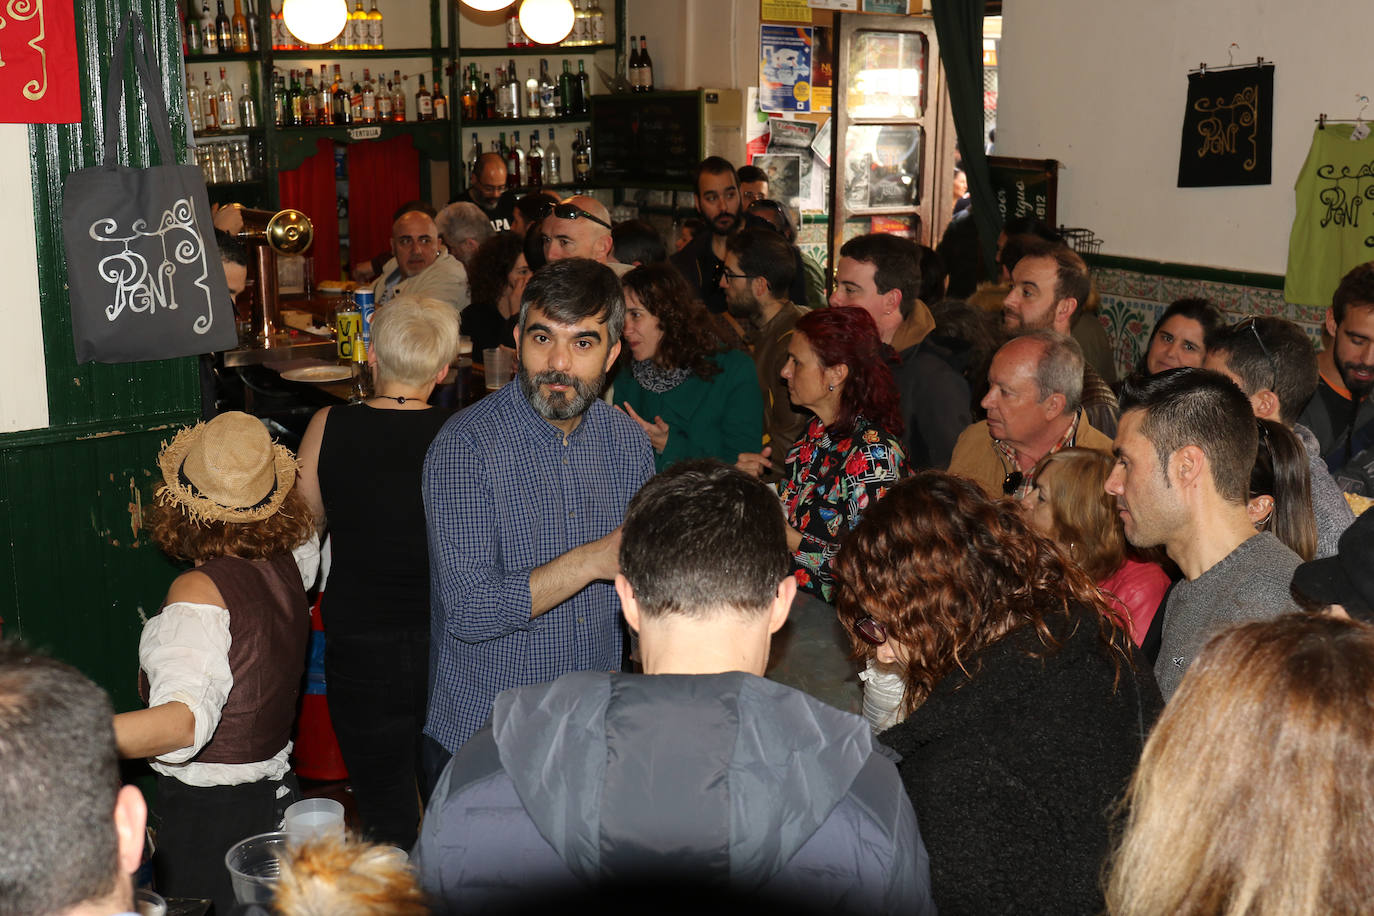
pixel 1033 405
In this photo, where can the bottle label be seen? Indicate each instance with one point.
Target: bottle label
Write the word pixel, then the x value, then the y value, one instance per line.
pixel 425 105
pixel 440 108
pixel 599 29
pixel 374 32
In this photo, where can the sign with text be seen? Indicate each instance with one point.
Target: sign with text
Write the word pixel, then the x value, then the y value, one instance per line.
pixel 1025 187
pixel 39 79
pixel 1228 128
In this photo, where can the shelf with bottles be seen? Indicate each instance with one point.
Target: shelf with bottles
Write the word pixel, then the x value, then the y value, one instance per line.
pixel 538 50
pixel 502 123
pixel 205 60
pixel 360 54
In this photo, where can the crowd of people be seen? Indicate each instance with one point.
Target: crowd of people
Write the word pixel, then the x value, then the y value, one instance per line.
pixel 1131 623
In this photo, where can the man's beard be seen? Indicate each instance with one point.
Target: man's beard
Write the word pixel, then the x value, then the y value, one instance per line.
pixel 746 307
pixel 1357 387
pixel 727 230
pixel 557 405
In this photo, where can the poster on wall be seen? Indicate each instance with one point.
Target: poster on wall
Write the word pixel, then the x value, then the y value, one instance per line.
pixel 784 68
pixel 784 11
pixel 784 174
pixel 39 77
pixel 1228 128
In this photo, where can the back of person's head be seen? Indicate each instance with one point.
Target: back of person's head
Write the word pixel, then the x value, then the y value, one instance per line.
pixel 415 206
pixel 414 338
pixel 573 290
pixel 775 214
pixel 491 265
pixel 847 336
pixel 332 875
pixel 933 276
pixel 1273 354
pixel 1058 368
pixel 463 220
pixel 972 333
pixel 637 242
pixel 1282 473
pixel 534 206
pixel 534 245
pixel 1085 516
pixel 232 249
pixel 896 264
pixel 1356 290
pixel 1202 408
pixel 764 253
pixel 703 538
pixel 1031 225
pixel 713 165
pixel 59 778
pixel 1254 795
pixel 748 174
pixel 1072 280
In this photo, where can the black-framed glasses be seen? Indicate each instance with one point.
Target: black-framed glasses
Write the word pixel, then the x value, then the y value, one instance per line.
pixel 1012 482
pixel 568 211
pixel 730 275
pixel 1251 323
pixel 870 631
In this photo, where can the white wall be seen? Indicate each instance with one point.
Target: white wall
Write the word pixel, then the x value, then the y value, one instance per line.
pixel 704 43
pixel 1101 87
pixel 23 385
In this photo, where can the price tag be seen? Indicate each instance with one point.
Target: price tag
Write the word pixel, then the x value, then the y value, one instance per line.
pixel 364 133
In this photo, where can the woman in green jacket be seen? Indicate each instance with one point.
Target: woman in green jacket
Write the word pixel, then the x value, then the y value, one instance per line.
pixel 693 397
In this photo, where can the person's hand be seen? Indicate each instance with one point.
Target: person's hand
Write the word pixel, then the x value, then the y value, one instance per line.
pixel 755 463
pixel 604 556
pixel 657 431
pixel 794 537
pixel 227 218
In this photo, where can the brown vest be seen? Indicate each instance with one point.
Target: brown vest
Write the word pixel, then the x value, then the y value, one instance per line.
pixel 269 625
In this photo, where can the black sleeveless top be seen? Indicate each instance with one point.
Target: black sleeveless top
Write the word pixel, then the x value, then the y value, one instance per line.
pixel 370 467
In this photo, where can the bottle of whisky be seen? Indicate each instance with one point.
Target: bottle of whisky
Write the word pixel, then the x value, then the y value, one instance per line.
pixel 486 101
pixel 398 98
pixel 341 109
pixel 369 96
pixel 424 102
pixel 324 100
pixel 308 99
pixel 439 99
pixel 468 100
pixel 582 158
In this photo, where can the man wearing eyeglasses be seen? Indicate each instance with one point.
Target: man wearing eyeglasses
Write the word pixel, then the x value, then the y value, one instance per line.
pixel 421 267
pixel 487 189
pixel 698 775
pixel 580 227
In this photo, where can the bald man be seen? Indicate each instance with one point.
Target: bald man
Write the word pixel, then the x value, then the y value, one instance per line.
pixel 487 189
pixel 580 227
pixel 421 267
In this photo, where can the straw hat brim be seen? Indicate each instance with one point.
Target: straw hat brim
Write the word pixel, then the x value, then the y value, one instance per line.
pixel 201 509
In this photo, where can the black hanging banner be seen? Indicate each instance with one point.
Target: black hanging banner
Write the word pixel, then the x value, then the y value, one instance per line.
pixel 1228 129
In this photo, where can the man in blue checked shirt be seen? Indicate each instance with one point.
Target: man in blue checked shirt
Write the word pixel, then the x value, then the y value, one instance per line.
pixel 524 495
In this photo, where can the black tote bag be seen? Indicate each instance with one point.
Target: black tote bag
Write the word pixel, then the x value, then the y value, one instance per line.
pixel 143 268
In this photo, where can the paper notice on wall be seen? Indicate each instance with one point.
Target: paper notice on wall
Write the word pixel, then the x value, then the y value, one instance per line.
pixel 821 144
pixel 790 138
pixel 755 125
pixel 822 68
pixel 784 68
pixel 834 4
pixel 785 10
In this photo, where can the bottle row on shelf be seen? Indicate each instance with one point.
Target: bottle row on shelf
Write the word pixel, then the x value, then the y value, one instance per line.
pixel 588 28
pixel 535 166
pixel 536 97
pixel 297 104
pixel 208 33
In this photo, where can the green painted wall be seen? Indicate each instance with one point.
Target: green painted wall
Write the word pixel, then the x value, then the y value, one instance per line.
pixel 77 574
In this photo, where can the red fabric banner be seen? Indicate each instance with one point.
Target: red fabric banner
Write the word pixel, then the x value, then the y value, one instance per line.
pixel 310 189
pixel 40 80
pixel 382 175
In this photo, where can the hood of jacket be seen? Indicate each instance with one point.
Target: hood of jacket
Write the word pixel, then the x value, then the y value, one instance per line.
pixel 914 327
pixel 632 774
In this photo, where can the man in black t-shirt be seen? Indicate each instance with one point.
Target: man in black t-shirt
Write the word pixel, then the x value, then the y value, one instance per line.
pixel 488 191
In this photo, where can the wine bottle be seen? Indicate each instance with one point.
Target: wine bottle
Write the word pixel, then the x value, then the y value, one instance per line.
pixel 195 38
pixel 584 90
pixel 635 64
pixel 424 102
pixel 646 66
pixel 239 28
pixel 224 30
pixel 486 102
pixel 534 162
pixel 514 155
pixel 565 89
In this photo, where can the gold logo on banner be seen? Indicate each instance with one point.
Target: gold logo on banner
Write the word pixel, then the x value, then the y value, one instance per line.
pixel 23 11
pixel 1219 137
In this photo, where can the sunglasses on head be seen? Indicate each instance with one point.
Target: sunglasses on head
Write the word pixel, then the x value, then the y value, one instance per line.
pixel 568 211
pixel 1251 323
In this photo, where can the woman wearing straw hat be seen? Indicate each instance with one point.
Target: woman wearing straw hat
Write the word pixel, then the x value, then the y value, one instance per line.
pixel 221 663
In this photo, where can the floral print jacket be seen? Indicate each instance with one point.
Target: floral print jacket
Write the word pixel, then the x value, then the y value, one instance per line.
pixel 830 482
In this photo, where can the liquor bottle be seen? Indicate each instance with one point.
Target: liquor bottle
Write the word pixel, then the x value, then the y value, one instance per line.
pixel 278 29
pixel 513 154
pixel 486 101
pixel 209 41
pixel 582 158
pixel 355 101
pixel 578 35
pixel 369 96
pixel 646 65
pixel 194 37
pixel 308 99
pixel 224 31
pixel 228 108
pixel 473 155
pixel 546 91
pixel 248 108
pixel 374 28
pixel 514 33
pixel 468 100
pixel 530 106
pixel 583 93
pixel 209 105
pixel 439 100
pixel 193 104
pixel 518 152
pixel 254 27
pixel 502 103
pixel 512 90
pixel 501 146
pixel 534 162
pixel 384 95
pixel 424 102
pixel 278 100
pixel 598 21
pixel 553 161
pixel 398 98
pixel 566 80
pixel 341 111
pixel 295 113
pixel 238 27
pixel 636 64
pixel 324 100
pixel 356 28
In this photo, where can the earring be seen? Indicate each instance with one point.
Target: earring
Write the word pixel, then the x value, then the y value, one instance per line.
pixel 832 387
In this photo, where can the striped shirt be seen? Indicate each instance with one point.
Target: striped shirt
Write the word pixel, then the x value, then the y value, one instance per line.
pixel 505 492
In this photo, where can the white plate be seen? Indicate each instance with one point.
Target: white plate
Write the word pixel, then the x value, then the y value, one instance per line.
pixel 318 374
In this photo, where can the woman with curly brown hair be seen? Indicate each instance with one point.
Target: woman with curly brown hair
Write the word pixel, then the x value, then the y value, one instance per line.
pixel 221 663
pixel 1027 707
pixel 704 399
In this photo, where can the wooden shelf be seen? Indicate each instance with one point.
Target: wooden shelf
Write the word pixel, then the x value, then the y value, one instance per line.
pixel 356 55
pixel 537 51
pixel 500 123
pixel 199 60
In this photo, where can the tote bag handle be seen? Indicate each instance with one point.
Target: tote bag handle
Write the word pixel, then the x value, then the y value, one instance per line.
pixel 146 66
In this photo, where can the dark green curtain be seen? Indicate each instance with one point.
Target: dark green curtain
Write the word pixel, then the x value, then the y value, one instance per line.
pixel 959 28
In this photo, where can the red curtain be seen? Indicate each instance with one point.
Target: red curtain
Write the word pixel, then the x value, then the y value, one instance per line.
pixel 310 189
pixel 382 175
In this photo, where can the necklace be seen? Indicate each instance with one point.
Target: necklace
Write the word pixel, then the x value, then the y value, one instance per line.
pixel 398 398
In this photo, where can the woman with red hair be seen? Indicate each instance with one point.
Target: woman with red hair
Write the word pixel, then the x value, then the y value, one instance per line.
pixel 851 452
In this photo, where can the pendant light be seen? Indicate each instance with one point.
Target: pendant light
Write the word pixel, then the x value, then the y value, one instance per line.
pixel 547 22
pixel 488 6
pixel 315 22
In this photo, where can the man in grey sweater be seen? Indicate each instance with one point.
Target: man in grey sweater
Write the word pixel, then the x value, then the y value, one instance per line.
pixel 1184 450
pixel 1275 364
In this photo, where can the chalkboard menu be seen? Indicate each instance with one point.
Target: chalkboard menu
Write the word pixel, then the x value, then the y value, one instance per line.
pixel 1025 187
pixel 647 139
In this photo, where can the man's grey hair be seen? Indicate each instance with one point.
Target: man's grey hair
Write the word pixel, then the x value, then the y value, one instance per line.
pixel 1060 367
pixel 461 220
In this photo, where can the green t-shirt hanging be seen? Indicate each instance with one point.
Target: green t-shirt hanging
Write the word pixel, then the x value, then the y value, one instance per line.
pixel 1333 230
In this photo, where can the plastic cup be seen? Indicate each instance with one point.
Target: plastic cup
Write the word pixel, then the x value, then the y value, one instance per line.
pixel 313 817
pixel 254 865
pixel 149 903
pixel 497 366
